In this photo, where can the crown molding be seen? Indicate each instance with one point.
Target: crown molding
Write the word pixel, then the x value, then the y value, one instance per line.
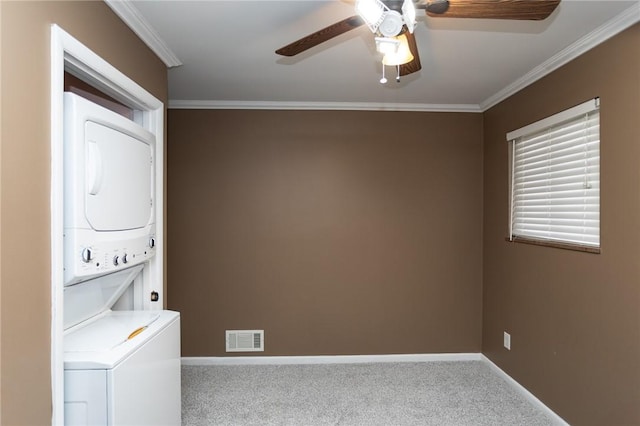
pixel 616 25
pixel 139 25
pixel 338 106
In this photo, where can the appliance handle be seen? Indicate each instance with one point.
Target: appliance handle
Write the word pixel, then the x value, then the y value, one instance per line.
pixel 94 168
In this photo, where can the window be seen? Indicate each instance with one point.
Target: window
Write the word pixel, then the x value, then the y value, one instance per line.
pixel 555 180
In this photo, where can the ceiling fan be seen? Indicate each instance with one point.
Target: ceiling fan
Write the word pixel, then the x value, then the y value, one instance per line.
pixel 393 22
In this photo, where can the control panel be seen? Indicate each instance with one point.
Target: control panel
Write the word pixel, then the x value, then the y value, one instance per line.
pixel 92 258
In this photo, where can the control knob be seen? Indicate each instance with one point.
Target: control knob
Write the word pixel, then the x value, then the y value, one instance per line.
pixel 124 258
pixel 87 255
pixel 116 260
pixel 152 242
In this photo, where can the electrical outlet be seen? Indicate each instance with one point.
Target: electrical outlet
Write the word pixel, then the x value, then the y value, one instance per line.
pixel 507 341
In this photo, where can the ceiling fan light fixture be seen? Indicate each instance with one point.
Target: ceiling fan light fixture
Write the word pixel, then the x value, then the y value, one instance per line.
pixel 401 56
pixel 387 45
pixel 409 15
pixel 372 12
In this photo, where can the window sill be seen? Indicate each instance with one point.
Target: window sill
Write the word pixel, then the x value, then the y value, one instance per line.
pixel 554 244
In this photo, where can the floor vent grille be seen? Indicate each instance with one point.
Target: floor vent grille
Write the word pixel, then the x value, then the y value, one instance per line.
pixel 245 340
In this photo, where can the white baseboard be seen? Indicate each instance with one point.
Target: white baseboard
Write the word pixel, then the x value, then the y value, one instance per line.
pixel 328 359
pixel 524 392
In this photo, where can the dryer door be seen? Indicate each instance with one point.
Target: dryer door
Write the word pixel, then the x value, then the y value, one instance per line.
pixel 119 179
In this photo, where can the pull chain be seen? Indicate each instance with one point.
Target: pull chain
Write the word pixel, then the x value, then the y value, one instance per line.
pixel 383 80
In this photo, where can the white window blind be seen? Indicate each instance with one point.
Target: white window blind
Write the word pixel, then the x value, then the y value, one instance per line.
pixel 555 180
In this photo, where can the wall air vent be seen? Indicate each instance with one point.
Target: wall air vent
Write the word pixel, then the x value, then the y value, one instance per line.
pixel 244 340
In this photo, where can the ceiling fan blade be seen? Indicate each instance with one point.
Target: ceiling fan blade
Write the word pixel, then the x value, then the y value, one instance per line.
pixel 320 36
pixel 532 10
pixel 413 66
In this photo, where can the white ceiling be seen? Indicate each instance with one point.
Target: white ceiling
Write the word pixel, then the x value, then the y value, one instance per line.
pixel 227 53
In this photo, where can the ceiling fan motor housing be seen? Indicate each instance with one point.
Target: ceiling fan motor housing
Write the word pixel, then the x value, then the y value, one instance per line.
pixel 391 24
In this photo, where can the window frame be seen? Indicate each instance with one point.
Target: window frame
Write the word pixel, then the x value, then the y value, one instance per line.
pixel 555 120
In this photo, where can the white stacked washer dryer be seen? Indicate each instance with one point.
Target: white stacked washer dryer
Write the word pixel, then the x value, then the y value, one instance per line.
pixel 121 351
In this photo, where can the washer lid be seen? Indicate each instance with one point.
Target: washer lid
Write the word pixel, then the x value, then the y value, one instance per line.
pixel 108 339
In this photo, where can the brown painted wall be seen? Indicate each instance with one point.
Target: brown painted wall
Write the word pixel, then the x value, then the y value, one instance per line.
pixel 335 232
pixel 25 283
pixel 574 318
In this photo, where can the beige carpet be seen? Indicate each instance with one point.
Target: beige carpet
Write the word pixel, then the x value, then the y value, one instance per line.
pixel 429 393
